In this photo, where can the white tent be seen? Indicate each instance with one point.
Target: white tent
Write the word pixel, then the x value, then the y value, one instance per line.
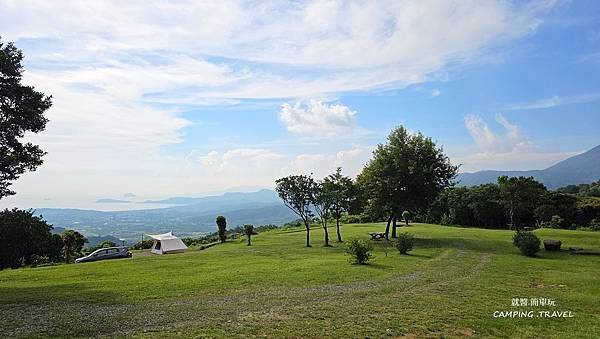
pixel 167 243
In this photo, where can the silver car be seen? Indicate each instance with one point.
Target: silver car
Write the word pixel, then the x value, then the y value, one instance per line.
pixel 106 253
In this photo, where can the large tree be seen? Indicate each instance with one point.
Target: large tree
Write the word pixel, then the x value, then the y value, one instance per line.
pixel 21 110
pixel 23 235
pixel 341 189
pixel 406 173
pixel 296 191
pixel 521 196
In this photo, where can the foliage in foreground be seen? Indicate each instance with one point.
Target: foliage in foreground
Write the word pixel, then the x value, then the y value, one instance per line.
pixel 22 111
pixel 527 242
pixel 359 251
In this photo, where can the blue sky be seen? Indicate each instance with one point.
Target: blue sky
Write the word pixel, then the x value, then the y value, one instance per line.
pixel 184 98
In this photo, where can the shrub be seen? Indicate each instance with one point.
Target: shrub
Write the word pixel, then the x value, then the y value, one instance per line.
pixel 143 245
pixel 201 240
pixel 404 243
pixel 555 222
pixel 527 242
pixel 359 251
pixel 406 216
pixel 294 224
pixel 39 260
pixel 448 218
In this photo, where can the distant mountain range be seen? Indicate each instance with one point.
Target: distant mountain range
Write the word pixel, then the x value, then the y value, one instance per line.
pixel 193 216
pixel 580 169
pixel 111 201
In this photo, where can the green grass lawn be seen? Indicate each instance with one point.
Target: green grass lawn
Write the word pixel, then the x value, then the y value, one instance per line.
pixel 449 286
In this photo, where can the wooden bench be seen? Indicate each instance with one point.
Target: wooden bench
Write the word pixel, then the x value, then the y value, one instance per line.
pixel 377 235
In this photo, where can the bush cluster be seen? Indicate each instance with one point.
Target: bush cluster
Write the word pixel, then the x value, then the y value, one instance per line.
pixel 527 242
pixel 404 243
pixel 359 251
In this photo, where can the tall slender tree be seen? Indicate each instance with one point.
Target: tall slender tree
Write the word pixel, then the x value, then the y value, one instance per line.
pixel 249 231
pixel 296 192
pixel 73 244
pixel 222 225
pixel 21 110
pixel 322 199
pixel 341 189
pixel 408 172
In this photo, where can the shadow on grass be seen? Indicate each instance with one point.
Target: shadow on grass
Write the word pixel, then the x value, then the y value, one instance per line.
pixel 83 292
pixel 419 256
pixel 373 264
pixel 62 310
pixel 479 245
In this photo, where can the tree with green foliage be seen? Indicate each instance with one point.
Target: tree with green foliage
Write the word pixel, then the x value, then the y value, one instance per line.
pixel 583 190
pixel 21 111
pixel 73 242
pixel 22 236
pixel 341 189
pixel 296 191
pixel 408 172
pixel 322 199
pixel 521 196
pixel 249 231
pixel 222 225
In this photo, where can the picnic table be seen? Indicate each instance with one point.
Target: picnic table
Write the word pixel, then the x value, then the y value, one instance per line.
pixel 377 235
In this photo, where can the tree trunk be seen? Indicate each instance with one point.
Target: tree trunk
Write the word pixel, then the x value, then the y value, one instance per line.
pixel 512 216
pixel 394 227
pixel 307 225
pixel 406 221
pixel 249 237
pixel 339 235
pixel 387 228
pixel 326 233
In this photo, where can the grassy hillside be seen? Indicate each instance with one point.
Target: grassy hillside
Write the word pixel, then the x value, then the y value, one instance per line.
pixel 450 285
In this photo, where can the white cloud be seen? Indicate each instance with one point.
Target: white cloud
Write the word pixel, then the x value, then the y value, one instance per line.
pixel 513 160
pixel 241 160
pixel 113 65
pixel 590 58
pixel 488 141
pixel 351 160
pixel 317 118
pixel 508 149
pixel 435 92
pixel 344 46
pixel 555 101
